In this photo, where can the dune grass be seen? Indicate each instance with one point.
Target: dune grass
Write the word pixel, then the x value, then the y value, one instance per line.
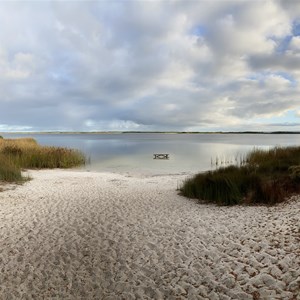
pixel 268 177
pixel 26 153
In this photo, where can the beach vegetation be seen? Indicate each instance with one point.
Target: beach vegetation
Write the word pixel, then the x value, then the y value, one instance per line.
pixel 9 171
pixel 266 177
pixel 26 153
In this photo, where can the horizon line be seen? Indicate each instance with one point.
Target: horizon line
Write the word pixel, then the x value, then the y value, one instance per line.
pixel 161 132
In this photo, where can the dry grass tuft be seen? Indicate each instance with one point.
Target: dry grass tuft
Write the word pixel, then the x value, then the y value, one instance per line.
pixel 16 154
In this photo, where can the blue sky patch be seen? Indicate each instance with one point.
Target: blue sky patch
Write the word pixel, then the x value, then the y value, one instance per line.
pixel 199 30
pixel 296 28
pixel 283 44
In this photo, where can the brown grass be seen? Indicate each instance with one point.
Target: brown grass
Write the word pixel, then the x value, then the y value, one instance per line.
pixel 16 154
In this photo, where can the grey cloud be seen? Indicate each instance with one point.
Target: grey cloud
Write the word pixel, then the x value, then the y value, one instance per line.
pixel 287 124
pixel 292 7
pixel 275 62
pixel 135 62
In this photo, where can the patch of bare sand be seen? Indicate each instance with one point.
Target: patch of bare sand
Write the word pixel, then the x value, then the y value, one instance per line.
pixel 80 235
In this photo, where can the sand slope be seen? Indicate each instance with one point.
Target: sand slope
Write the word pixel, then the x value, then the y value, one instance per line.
pixel 80 235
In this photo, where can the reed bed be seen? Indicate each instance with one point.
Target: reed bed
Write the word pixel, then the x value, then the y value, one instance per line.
pixel 8 170
pixel 264 177
pixel 26 153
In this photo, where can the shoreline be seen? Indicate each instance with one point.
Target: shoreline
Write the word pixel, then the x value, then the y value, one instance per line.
pixel 79 234
pixel 148 132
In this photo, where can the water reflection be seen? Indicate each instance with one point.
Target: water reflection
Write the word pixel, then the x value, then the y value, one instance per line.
pixel 189 153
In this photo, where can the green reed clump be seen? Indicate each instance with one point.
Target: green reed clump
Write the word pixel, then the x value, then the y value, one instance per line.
pixel 277 160
pixel 9 171
pixel 26 153
pixel 267 178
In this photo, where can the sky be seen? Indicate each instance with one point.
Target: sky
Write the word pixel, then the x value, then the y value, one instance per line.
pixel 150 65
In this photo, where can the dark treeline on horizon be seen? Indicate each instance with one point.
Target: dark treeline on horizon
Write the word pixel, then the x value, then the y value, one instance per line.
pixel 144 132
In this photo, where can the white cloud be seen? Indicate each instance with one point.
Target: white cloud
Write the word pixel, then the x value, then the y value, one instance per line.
pixel 295 44
pixel 277 83
pixel 154 64
pixel 20 66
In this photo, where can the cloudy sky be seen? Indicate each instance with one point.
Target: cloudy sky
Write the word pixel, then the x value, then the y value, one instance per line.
pixel 201 65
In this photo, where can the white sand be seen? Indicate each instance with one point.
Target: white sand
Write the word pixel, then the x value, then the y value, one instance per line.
pixel 80 235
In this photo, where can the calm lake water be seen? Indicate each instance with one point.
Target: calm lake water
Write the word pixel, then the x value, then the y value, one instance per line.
pixel 189 153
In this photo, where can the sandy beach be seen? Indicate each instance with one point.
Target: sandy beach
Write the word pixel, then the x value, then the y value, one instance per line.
pixel 84 235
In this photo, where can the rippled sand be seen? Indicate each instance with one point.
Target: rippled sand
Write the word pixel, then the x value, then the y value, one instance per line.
pixel 80 235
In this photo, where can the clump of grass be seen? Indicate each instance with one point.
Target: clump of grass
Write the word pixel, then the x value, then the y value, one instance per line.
pixel 9 172
pixel 25 153
pixel 294 172
pixel 268 177
pixel 277 160
pixel 47 157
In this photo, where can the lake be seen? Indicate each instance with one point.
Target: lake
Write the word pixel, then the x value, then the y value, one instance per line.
pixel 189 153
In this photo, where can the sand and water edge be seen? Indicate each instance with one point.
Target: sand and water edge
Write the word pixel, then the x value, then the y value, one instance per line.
pixel 84 235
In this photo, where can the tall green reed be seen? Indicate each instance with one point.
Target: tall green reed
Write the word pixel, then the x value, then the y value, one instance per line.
pixel 262 176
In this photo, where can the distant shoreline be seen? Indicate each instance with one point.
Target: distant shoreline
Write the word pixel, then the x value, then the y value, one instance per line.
pixel 149 132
